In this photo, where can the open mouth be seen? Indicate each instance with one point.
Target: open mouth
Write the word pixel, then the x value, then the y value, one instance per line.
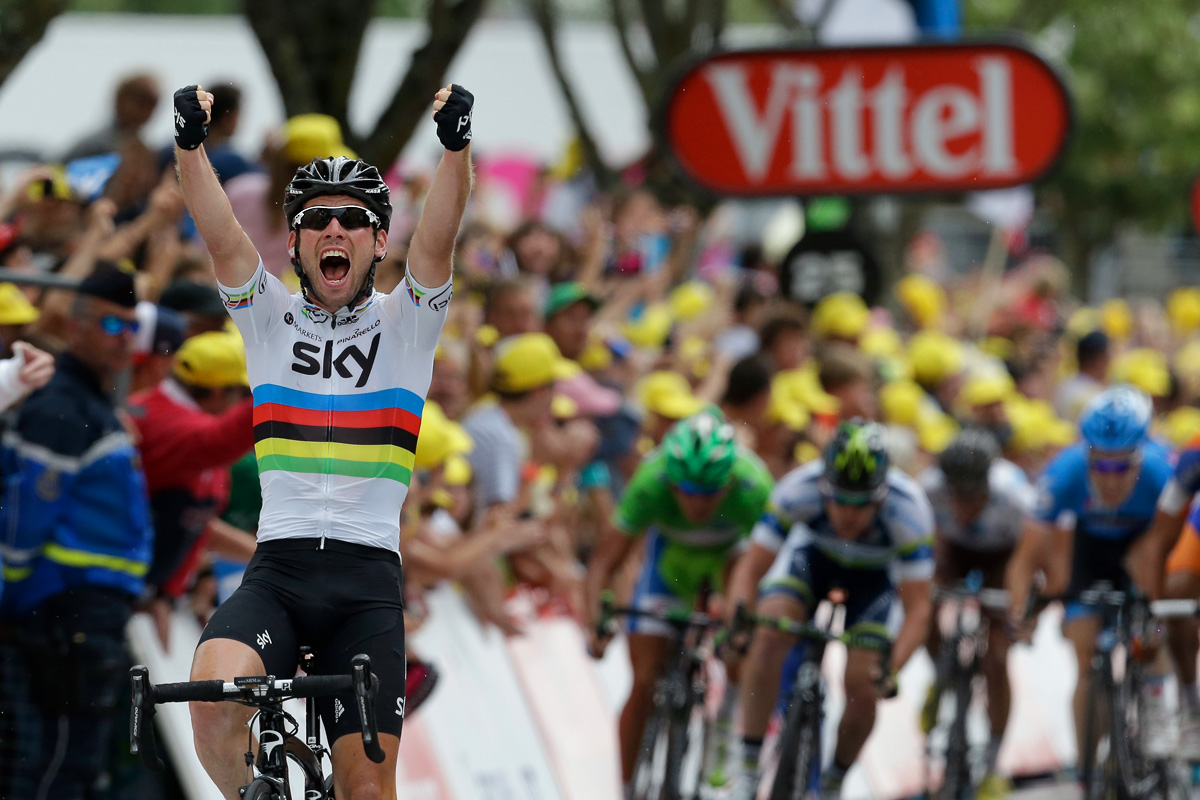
pixel 335 266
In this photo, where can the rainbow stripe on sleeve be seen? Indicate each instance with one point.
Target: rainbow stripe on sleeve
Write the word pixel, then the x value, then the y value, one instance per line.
pixel 369 435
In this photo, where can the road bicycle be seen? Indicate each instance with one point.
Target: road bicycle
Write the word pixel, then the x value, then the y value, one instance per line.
pixel 1115 764
pixel 277 729
pixel 959 666
pixel 678 702
pixel 799 745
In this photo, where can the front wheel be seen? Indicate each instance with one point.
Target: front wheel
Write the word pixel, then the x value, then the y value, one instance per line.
pixel 677 745
pixel 646 785
pixel 260 789
pixel 799 753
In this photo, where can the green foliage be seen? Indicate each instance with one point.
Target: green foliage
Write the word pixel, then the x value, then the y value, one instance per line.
pixel 1132 68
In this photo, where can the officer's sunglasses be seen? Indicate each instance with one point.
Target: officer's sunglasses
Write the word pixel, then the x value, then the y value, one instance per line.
pixel 317 218
pixel 115 326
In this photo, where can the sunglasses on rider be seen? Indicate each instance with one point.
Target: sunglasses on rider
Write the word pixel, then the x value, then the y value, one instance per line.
pixel 317 218
pixel 698 490
pixel 115 326
pixel 1110 465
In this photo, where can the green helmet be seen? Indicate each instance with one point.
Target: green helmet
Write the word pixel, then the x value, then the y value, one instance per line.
pixel 700 451
pixel 856 462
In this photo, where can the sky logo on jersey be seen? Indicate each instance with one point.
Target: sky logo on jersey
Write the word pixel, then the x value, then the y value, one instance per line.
pixel 368 435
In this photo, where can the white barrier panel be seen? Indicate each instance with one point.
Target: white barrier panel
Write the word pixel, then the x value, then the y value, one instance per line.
pixel 481 729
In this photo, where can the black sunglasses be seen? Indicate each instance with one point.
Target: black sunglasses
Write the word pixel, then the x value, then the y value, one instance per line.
pixel 317 218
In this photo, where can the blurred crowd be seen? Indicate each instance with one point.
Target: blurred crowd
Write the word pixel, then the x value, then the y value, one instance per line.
pixel 584 324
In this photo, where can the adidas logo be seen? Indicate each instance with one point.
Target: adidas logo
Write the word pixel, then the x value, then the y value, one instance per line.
pixel 338 709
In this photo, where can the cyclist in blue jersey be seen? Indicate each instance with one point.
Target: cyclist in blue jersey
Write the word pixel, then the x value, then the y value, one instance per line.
pixel 1100 497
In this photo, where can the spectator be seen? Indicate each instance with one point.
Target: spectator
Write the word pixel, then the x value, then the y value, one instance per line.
pixel 1093 357
pixel 133 104
pixel 200 306
pixel 783 338
pixel 568 315
pixel 161 333
pixel 741 338
pixel 257 197
pixel 847 375
pixel 193 426
pixel 511 308
pixel 747 395
pixel 665 398
pixel 15 313
pixel 27 370
pixel 78 549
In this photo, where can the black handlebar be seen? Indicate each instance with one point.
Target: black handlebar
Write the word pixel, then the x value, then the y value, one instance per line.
pixel 254 690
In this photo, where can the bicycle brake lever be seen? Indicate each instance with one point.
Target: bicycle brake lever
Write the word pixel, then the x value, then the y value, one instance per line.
pixel 141 720
pixel 365 687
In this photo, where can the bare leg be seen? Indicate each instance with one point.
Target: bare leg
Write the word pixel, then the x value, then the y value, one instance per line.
pixel 648 656
pixel 219 729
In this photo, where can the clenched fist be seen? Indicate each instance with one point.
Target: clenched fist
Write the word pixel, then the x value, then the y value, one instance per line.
pixel 193 110
pixel 452 113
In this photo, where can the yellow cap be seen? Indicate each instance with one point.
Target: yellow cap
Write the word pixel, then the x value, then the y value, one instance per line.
pixel 901 402
pixel 1116 319
pixel 439 438
pixel 923 299
pixel 1035 425
pixel 528 361
pixel 1183 310
pixel 309 136
pixel 563 407
pixel 935 431
pixel 212 360
pixel 880 342
pixel 935 357
pixel 595 356
pixel 1187 360
pixel 997 346
pixel 691 300
pixel 457 471
pixel 693 354
pixel 841 315
pixel 1182 425
pixel 987 386
pixel 487 335
pixel 805 452
pixel 651 328
pixel 15 308
pixel 667 394
pixel 802 385
pixel 782 408
pixel 1083 321
pixel 1144 368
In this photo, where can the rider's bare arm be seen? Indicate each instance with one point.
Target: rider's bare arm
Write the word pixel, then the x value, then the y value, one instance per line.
pixel 1146 560
pixel 233 254
pixel 611 551
pixel 432 250
pixel 1023 565
pixel 743 584
pixel 916 598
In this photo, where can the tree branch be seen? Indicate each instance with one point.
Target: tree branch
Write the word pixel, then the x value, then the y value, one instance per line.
pixel 654 15
pixel 621 23
pixel 787 17
pixel 448 29
pixel 22 25
pixel 547 22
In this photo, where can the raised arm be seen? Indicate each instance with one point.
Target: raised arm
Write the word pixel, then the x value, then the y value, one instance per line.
pixel 431 253
pixel 233 254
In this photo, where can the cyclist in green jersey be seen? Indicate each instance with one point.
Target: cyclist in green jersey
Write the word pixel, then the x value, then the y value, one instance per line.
pixel 695 499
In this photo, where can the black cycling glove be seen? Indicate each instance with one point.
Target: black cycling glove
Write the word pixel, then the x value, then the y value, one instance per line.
pixel 190 128
pixel 454 120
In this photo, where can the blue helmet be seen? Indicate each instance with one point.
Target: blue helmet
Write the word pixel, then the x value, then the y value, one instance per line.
pixel 1117 419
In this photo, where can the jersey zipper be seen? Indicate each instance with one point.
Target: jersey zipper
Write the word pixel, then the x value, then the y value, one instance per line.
pixel 329 438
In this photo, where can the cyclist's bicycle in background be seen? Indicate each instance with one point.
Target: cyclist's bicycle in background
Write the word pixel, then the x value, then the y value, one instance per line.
pixel 1116 765
pixel 959 667
pixel 798 768
pixel 679 704
pixel 277 728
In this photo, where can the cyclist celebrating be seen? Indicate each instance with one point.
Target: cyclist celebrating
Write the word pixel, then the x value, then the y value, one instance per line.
pixel 339 374
pixel 853 523
pixel 697 496
pixel 1100 494
pixel 983 512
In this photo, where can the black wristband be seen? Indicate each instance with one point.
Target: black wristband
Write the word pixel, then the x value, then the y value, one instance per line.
pixel 454 120
pixel 190 128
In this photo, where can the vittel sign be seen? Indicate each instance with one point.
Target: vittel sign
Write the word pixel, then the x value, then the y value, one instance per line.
pixel 944 117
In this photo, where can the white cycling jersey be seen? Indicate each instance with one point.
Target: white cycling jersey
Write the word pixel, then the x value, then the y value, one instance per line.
pixel 1011 502
pixel 337 405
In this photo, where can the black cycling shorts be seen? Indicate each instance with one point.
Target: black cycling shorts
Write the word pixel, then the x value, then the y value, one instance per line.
pixel 342 600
